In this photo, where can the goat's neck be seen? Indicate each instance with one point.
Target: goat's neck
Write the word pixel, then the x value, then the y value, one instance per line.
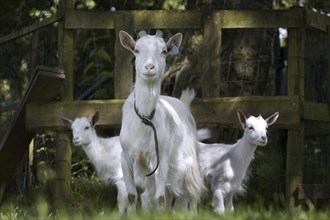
pixel 93 149
pixel 244 151
pixel 146 96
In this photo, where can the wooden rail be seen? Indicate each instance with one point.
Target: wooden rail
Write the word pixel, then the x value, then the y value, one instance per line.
pixel 296 17
pixel 75 19
pixel 206 111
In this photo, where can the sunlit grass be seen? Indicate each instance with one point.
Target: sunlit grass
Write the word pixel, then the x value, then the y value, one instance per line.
pixel 92 200
pixel 40 209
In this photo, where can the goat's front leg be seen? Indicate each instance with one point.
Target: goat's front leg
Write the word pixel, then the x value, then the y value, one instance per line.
pixel 127 166
pixel 218 201
pixel 160 181
pixel 181 203
pixel 148 193
pixel 229 202
pixel 122 196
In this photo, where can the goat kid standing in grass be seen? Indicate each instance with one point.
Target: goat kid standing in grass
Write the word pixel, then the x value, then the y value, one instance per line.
pixel 224 166
pixel 158 133
pixel 104 153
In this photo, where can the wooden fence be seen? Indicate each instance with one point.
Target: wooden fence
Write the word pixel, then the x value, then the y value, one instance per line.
pixel 294 109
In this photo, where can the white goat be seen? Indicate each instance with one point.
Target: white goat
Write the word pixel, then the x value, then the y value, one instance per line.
pixel 104 153
pixel 224 166
pixel 158 130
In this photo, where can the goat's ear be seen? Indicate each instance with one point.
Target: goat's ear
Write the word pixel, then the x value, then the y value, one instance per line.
pixel 66 121
pixel 95 118
pixel 126 40
pixel 242 118
pixel 175 40
pixel 272 119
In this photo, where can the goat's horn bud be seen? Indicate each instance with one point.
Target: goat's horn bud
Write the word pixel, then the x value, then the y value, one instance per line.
pixel 142 33
pixel 159 33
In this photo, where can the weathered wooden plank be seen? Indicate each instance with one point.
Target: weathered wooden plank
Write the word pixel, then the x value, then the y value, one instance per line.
pixel 263 18
pixel 29 29
pixel 211 64
pixel 123 77
pixel 66 60
pixel 317 20
pixel 44 86
pixel 294 163
pixel 140 19
pixel 208 111
pixel 182 20
pixel 223 110
pixel 296 61
pixel 296 87
pixel 75 19
pixel 316 111
pixel 110 113
pixel 63 146
pixel 328 45
pixel 167 20
pixel 187 19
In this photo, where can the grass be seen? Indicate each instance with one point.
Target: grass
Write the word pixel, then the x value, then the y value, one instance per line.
pixel 37 207
pixel 90 199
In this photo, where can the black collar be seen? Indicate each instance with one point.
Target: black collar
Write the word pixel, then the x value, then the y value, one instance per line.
pixel 145 119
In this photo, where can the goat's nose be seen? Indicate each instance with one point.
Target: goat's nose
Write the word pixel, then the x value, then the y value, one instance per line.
pixel 264 138
pixel 149 66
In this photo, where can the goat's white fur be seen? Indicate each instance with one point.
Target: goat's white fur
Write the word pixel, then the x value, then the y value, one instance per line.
pixel 224 166
pixel 176 129
pixel 104 154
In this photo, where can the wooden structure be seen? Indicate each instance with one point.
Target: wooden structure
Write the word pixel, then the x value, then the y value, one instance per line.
pixel 17 139
pixel 294 109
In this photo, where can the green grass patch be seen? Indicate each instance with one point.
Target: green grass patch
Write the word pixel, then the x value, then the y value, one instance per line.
pixel 90 199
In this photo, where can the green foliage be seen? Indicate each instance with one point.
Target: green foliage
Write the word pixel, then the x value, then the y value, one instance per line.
pixel 94 61
pixel 85 4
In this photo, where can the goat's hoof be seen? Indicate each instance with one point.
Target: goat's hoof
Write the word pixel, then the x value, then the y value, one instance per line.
pixel 161 200
pixel 131 199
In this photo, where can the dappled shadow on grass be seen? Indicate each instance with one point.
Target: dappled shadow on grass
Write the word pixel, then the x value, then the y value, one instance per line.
pixel 90 199
pixel 39 208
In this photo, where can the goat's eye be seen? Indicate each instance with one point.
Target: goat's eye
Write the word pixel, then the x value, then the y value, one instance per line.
pixel 136 51
pixel 87 127
pixel 164 52
pixel 251 128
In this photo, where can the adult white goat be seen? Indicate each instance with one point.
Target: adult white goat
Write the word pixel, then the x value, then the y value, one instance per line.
pixel 224 166
pixel 158 133
pixel 104 153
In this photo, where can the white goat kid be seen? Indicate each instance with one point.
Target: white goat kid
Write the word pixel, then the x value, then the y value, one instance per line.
pixel 104 153
pixel 167 134
pixel 224 166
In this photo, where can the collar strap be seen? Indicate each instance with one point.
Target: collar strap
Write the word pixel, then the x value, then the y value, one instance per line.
pixel 145 119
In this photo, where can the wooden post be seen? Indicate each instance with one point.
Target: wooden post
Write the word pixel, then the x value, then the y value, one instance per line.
pixel 212 33
pixel 63 148
pixel 295 142
pixel 65 51
pixel 328 30
pixel 123 78
pixel 63 169
pixel 2 190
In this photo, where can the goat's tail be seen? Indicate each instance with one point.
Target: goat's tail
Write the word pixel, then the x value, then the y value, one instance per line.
pixel 203 134
pixel 194 180
pixel 187 96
